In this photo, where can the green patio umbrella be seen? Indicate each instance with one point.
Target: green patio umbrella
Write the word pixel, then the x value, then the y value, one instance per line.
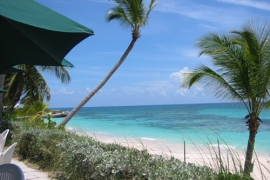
pixel 33 34
pixel 13 69
pixel 2 90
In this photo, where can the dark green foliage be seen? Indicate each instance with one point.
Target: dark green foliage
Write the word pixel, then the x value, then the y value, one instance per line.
pixel 39 146
pixel 8 116
pixel 5 124
pixel 26 140
pixel 50 124
pixel 231 176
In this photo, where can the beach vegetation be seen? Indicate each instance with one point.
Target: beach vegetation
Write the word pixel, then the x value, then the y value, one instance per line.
pixel 68 155
pixel 131 14
pixel 241 72
pixel 32 115
pixel 33 112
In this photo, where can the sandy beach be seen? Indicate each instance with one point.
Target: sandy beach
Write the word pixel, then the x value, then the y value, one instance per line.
pixel 198 154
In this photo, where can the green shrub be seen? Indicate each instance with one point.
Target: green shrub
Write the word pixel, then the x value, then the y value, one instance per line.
pixel 230 176
pixel 26 144
pixel 6 124
pixel 39 146
pixel 7 116
pixel 72 156
pixel 78 157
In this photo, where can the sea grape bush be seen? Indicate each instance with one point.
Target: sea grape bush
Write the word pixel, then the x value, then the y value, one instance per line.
pixel 77 157
pixel 83 159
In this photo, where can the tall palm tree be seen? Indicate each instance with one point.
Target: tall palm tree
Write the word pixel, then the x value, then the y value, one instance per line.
pixel 242 61
pixel 132 14
pixel 30 86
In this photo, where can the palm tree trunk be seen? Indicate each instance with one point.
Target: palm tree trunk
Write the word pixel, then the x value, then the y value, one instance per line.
pixel 98 87
pixel 250 148
pixel 2 80
pixel 15 99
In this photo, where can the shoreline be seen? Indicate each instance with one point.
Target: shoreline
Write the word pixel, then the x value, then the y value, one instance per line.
pixel 194 153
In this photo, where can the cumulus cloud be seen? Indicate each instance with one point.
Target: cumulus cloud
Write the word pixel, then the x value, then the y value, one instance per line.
pixel 180 74
pixel 194 91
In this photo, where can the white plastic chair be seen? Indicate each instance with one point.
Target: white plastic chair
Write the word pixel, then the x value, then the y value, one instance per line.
pixel 5 158
pixel 11 172
pixel 3 138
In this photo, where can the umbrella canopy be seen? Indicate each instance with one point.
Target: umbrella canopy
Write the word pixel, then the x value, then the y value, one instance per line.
pixel 33 34
pixel 13 69
pixel 2 90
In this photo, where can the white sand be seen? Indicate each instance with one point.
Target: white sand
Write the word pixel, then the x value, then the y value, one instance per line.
pixel 198 154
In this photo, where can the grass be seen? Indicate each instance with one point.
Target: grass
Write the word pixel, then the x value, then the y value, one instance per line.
pixel 67 155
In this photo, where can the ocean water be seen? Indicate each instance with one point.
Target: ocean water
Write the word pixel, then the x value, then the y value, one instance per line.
pixel 193 123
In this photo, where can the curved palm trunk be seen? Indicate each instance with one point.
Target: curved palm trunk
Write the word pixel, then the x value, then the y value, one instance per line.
pixel 250 148
pixel 2 80
pixel 253 129
pixel 98 87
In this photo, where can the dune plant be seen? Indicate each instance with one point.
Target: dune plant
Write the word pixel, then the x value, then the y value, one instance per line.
pixel 242 73
pixel 71 156
pixel 74 155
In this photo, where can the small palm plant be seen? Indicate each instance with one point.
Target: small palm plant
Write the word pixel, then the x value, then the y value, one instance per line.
pixel 34 111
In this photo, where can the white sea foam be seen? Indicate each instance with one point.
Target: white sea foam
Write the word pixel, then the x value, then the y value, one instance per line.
pixel 149 139
pixel 70 128
pixel 222 146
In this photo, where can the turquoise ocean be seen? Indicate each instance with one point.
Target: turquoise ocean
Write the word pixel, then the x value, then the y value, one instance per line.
pixel 193 123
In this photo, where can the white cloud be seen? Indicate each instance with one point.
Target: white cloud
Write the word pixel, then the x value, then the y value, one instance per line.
pixel 264 5
pixel 65 91
pixel 132 90
pixel 181 91
pixel 88 89
pixel 196 89
pixel 163 93
pixel 208 13
pixel 180 74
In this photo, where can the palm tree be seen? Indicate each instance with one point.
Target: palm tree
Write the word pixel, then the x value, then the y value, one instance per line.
pixel 132 14
pixel 30 86
pixel 242 61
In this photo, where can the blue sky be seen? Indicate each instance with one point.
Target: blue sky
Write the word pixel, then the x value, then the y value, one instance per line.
pixel 151 73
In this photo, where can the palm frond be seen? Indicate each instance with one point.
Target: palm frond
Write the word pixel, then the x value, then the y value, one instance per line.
pixel 59 72
pixel 242 61
pixel 118 13
pixel 212 83
pixel 131 13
